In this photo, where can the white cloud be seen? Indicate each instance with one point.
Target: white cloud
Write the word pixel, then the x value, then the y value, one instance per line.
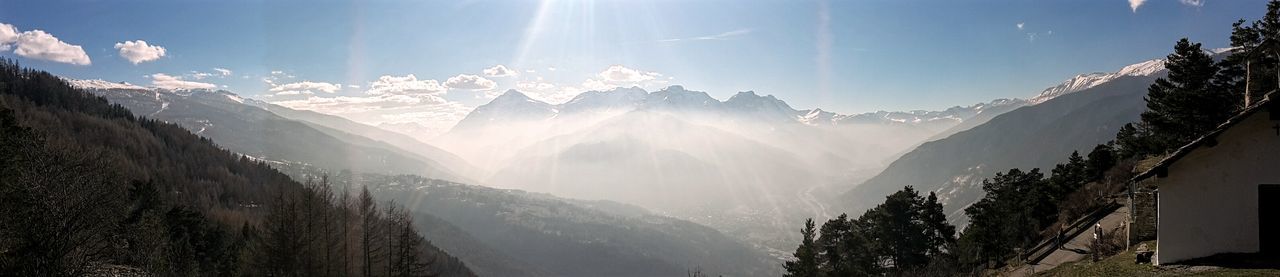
pixel 1197 3
pixel 534 86
pixel 720 36
pixel 1020 25
pixel 139 51
pixel 305 87
pixel 551 68
pixel 406 85
pixel 610 78
pixel 434 114
pixel 8 36
pixel 1134 4
pixel 499 71
pixel 37 44
pixel 547 92
pixel 199 75
pixel 622 74
pixel 166 81
pixel 276 75
pixel 222 71
pixel 593 84
pixel 471 82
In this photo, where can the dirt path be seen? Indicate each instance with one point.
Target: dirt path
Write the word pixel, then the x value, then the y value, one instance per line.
pixel 1077 248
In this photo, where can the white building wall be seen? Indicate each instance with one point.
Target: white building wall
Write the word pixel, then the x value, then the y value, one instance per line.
pixel 1209 200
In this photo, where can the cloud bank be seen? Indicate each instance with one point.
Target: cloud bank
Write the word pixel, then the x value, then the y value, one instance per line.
pixel 471 82
pixel 37 44
pixel 499 71
pixel 305 88
pixel 166 81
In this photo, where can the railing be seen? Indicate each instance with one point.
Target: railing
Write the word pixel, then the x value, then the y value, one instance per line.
pixel 1046 247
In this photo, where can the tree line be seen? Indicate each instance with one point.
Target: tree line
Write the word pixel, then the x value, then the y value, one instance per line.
pixel 86 185
pixel 1020 208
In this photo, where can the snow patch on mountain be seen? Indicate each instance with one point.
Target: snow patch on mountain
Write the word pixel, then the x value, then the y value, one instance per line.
pixel 102 84
pixel 1086 81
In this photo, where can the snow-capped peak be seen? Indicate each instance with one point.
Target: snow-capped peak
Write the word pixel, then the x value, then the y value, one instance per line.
pixel 102 84
pixel 1086 81
pixel 1146 68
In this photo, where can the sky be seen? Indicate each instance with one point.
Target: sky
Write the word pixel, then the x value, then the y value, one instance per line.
pixel 430 62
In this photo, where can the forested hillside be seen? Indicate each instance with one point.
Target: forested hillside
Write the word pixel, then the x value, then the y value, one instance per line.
pixel 516 233
pixel 87 185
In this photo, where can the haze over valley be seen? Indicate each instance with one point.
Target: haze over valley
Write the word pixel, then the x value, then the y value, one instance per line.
pixel 614 137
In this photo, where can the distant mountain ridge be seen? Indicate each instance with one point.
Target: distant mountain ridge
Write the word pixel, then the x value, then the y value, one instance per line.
pixel 1086 81
pixel 1074 116
pixel 747 165
pixel 245 126
pixel 514 105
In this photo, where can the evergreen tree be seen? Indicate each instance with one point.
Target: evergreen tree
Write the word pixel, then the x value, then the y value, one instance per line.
pixel 1067 177
pixel 1101 159
pixel 1184 105
pixel 833 246
pixel 1009 217
pixel 806 263
pixel 1134 140
pixel 1268 30
pixel 899 232
pixel 940 233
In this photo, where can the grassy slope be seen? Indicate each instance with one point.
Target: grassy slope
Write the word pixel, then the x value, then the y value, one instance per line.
pixel 1122 265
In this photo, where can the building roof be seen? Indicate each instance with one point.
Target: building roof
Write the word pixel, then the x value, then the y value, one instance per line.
pixel 1210 139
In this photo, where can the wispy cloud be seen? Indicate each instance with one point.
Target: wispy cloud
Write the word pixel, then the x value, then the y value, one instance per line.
pixel 166 81
pixel 720 36
pixel 1134 4
pixel 1197 3
pixel 1032 34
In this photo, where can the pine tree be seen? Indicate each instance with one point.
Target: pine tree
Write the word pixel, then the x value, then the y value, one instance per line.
pixel 1239 71
pixel 940 233
pixel 1101 159
pixel 1134 140
pixel 806 263
pixel 1269 33
pixel 832 245
pixel 899 232
pixel 1184 105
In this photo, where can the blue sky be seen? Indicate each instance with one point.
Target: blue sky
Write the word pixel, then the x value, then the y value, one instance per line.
pixel 843 56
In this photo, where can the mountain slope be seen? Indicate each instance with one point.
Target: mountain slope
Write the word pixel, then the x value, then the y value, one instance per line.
pixel 1035 136
pixel 402 142
pixel 163 199
pixel 572 238
pixel 226 119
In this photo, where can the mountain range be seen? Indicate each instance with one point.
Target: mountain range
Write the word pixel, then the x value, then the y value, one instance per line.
pixel 495 232
pixel 1074 116
pixel 750 166
pixel 270 132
